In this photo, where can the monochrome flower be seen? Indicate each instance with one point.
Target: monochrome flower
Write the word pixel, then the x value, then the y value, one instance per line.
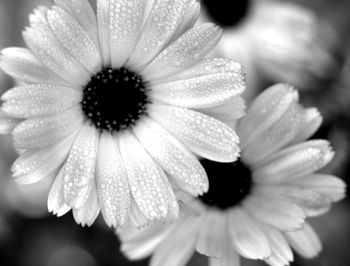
pixel 109 103
pixel 255 207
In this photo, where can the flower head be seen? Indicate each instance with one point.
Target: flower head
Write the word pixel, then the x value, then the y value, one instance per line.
pixel 111 103
pixel 255 207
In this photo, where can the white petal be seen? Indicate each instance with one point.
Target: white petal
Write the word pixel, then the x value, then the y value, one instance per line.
pixel 228 112
pixel 7 124
pixel 163 20
pixel 79 169
pixel 139 243
pixel 75 39
pixel 276 211
pixel 32 166
pixel 229 255
pixel 328 185
pixel 82 11
pixel 22 65
pixel 212 234
pixel 172 156
pixel 40 132
pixel 38 16
pixel 39 100
pixel 87 214
pixel 112 184
pixel 125 24
pixel 145 179
pixel 281 252
pixel 294 162
pixel 274 137
pixel 175 251
pixel 312 120
pixel 184 52
pixel 55 199
pixel 305 242
pixel 200 92
pixel 247 237
pixel 45 46
pixel 103 24
pixel 203 135
pixel 137 217
pixel 264 111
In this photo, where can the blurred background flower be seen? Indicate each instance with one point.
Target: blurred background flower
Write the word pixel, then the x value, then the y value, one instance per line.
pixel 29 235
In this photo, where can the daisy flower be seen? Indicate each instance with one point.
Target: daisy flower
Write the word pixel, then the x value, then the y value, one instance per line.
pixel 255 207
pixel 276 39
pixel 108 103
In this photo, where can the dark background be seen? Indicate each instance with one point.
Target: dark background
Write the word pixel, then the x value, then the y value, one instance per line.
pixel 29 236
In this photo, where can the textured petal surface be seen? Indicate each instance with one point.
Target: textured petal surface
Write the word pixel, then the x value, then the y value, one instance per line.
pixel 204 135
pixel 40 132
pixel 75 39
pixel 305 242
pixel 294 162
pixel 184 52
pixel 103 22
pixel 7 124
pixel 112 183
pixel 79 169
pixel 45 46
pixel 248 239
pixel 125 23
pixel 145 179
pixel 172 156
pixel 39 100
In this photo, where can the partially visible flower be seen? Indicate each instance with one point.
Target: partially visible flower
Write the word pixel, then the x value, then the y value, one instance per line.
pixel 278 40
pixel 255 207
pixel 109 104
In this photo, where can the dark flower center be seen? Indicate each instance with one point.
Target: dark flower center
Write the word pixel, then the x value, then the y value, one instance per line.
pixel 114 99
pixel 227 13
pixel 229 183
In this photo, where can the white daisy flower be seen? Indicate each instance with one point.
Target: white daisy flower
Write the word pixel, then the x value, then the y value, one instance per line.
pixel 277 39
pixel 255 207
pixel 110 104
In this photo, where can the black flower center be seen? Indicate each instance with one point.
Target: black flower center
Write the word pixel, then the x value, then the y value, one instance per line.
pixel 229 183
pixel 114 99
pixel 227 13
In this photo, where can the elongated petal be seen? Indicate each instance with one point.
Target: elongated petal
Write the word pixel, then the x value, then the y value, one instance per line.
pixel 87 214
pixel 229 255
pixel 103 22
pixel 40 132
pixel 311 122
pixel 145 179
pixel 204 135
pixel 247 237
pixel 181 251
pixel 125 23
pixel 39 100
pixel 200 92
pixel 45 46
pixel 22 65
pixel 75 39
pixel 264 111
pixel 184 52
pixel 160 26
pixel 82 11
pixel 172 156
pixel 328 185
pixel 32 166
pixel 79 169
pixel 55 199
pixel 294 162
pixel 278 212
pixel 112 183
pixel 7 123
pixel 212 234
pixel 305 242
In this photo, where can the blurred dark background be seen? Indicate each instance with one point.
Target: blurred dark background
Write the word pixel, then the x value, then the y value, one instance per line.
pixel 30 236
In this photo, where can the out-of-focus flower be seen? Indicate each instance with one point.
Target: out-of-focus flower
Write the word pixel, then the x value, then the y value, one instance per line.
pixel 108 104
pixel 255 207
pixel 278 40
